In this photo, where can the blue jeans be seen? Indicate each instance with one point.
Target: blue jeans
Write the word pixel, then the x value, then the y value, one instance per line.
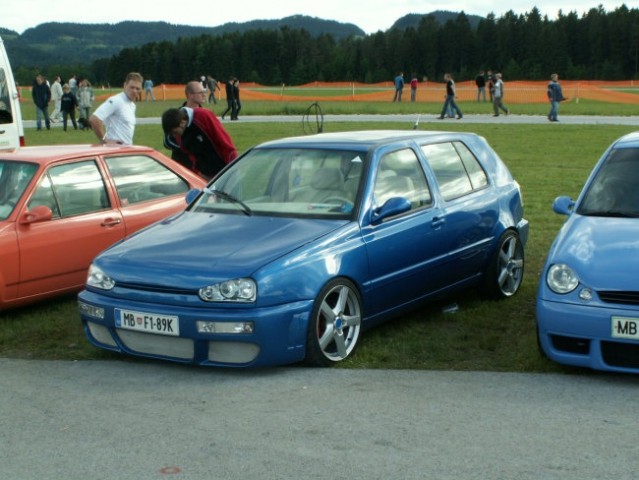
pixel 554 109
pixel 450 103
pixel 40 114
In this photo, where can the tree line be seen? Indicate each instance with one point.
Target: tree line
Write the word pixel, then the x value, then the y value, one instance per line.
pixel 599 45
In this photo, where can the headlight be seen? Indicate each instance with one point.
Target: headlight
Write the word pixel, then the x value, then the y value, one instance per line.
pixel 561 278
pixel 237 290
pixel 98 279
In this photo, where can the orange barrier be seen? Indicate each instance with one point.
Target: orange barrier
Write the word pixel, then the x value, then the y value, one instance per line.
pixel 515 92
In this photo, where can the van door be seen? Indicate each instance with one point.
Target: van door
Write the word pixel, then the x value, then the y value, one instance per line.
pixel 11 128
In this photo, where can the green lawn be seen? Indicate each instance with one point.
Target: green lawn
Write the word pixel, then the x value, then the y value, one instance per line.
pixel 547 160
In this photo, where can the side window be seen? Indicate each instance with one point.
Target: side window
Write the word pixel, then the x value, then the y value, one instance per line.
pixel 454 173
pixel 478 177
pixel 139 178
pixel 71 189
pixel 400 175
pixel 5 102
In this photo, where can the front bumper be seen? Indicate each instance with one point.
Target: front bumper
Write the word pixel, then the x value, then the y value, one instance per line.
pixel 581 335
pixel 278 338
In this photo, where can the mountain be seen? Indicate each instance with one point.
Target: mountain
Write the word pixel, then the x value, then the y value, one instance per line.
pixel 76 43
pixel 56 43
pixel 441 16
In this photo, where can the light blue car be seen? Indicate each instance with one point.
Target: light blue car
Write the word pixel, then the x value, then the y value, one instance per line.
pixel 588 298
pixel 297 247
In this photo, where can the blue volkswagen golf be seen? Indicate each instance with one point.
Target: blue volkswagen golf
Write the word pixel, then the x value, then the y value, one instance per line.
pixel 588 298
pixel 301 244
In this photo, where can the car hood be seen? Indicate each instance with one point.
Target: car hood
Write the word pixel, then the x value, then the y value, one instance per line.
pixel 603 251
pixel 192 248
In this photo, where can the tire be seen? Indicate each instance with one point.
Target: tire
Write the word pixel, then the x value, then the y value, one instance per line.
pixel 505 271
pixel 335 324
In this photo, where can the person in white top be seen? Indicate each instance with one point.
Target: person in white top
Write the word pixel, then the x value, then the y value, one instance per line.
pixel 114 120
pixel 56 96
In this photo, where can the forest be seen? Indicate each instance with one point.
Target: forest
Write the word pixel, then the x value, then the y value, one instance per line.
pixel 598 45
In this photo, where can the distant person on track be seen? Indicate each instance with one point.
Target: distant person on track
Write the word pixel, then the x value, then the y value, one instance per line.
pixel 555 96
pixel 450 98
pixel 399 87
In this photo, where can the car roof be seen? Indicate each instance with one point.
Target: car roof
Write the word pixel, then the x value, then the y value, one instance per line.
pixel 364 138
pixel 50 153
pixel 629 140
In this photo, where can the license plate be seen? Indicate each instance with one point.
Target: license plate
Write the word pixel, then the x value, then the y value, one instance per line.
pixel 147 322
pixel 625 327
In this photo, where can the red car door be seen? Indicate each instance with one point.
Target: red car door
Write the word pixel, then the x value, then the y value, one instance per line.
pixel 55 254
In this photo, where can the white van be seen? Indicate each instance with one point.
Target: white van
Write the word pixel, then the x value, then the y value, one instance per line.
pixel 11 128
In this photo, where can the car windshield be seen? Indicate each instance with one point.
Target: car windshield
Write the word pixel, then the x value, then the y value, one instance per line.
pixel 288 182
pixel 14 178
pixel 614 191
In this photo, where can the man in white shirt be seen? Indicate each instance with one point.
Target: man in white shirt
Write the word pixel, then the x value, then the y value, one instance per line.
pixel 114 120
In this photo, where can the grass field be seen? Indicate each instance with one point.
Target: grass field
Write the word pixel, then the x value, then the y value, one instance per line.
pixel 547 160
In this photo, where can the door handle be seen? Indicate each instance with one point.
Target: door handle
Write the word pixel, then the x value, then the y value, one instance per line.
pixel 111 222
pixel 438 222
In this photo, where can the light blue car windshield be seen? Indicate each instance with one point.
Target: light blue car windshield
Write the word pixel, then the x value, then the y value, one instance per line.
pixel 14 178
pixel 614 191
pixel 291 182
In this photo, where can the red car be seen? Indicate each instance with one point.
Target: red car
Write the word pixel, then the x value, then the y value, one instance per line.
pixel 61 205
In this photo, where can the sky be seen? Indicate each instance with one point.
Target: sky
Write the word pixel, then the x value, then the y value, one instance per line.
pixel 370 15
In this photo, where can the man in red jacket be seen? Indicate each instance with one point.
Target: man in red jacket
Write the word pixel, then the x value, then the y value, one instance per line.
pixel 201 137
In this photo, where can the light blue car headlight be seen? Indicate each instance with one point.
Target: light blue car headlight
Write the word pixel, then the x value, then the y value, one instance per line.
pixel 98 279
pixel 236 290
pixel 561 278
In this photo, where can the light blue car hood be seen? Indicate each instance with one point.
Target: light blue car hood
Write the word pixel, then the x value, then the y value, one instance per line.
pixel 192 248
pixel 603 251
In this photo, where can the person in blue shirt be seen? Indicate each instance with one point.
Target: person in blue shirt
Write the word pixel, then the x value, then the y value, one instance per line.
pixel 399 87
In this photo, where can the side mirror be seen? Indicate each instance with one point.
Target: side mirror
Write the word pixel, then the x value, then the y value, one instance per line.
pixel 41 213
pixel 563 205
pixel 393 206
pixel 192 195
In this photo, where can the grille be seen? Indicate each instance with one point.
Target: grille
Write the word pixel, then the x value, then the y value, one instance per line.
pixel 151 344
pixel 624 298
pixel 157 288
pixel 616 354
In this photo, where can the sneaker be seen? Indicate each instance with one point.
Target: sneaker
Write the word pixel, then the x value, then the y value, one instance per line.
pixel 459 117
pixel 496 115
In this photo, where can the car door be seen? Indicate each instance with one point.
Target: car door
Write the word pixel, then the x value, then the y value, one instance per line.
pixel 55 254
pixel 469 204
pixel 406 254
pixel 147 190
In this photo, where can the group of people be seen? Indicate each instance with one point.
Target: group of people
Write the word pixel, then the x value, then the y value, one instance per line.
pixel 491 82
pixel 195 136
pixel 67 98
pixel 495 86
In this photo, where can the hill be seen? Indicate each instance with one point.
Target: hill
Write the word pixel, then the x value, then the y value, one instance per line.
pixel 441 16
pixel 57 43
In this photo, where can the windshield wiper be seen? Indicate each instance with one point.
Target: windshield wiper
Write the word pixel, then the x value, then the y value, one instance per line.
pixel 231 199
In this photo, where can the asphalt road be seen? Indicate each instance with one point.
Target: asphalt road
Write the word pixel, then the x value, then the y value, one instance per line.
pixel 422 120
pixel 152 420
